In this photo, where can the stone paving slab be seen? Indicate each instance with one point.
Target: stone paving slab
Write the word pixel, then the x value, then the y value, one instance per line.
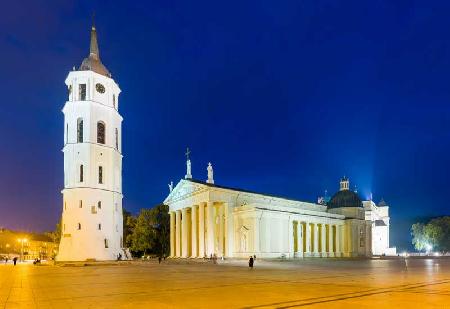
pixel 423 283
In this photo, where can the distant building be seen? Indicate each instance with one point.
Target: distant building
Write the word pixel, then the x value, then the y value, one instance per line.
pixel 32 246
pixel 92 194
pixel 209 219
pixel 379 216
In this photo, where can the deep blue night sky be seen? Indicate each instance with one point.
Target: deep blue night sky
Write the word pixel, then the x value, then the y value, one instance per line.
pixel 283 97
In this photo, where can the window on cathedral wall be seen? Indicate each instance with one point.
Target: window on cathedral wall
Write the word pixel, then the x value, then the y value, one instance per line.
pixel 101 132
pixel 361 237
pixel 82 92
pixel 81 173
pixel 80 205
pixel 100 174
pixel 99 205
pixel 114 100
pixel 65 205
pixel 79 130
pixel 106 243
pixel 79 226
pixel 117 138
pixel 99 226
pixel 93 210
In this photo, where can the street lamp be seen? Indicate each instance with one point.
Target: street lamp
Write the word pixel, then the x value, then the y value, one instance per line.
pixel 22 241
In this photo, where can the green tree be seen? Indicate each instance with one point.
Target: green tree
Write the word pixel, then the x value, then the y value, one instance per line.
pixel 151 233
pixel 129 223
pixel 143 234
pixel 435 234
pixel 56 234
pixel 162 228
pixel 418 236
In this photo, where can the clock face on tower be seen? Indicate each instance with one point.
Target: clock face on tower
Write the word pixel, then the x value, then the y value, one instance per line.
pixel 100 88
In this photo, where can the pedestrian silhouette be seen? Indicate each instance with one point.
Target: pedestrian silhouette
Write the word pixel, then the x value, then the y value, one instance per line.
pixel 15 260
pixel 250 262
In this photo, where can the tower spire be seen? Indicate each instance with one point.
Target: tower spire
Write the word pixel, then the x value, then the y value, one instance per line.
pixel 93 62
pixel 93 48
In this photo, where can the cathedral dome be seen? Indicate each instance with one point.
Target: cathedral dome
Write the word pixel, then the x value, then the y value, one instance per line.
pixel 345 197
pixel 93 62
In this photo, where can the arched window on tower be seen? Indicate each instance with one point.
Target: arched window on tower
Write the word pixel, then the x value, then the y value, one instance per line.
pixel 79 226
pixel 117 139
pixel 100 132
pixel 81 173
pixel 79 130
pixel 114 100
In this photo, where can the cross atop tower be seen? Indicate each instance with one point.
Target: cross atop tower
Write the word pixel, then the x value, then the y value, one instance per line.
pixel 93 19
pixel 188 152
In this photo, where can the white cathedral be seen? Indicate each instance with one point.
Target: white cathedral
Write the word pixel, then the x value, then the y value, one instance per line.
pixel 207 219
pixel 92 195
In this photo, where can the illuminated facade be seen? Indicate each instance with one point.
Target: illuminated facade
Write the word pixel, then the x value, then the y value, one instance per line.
pixel 208 219
pixel 26 245
pixel 379 216
pixel 92 194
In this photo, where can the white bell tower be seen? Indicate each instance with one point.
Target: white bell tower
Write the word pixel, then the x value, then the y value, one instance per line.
pixel 92 195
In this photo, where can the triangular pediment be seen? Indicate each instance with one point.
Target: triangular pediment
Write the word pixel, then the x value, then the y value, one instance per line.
pixel 184 189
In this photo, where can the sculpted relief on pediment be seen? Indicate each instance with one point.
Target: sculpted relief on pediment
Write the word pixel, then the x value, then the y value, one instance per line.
pixel 183 190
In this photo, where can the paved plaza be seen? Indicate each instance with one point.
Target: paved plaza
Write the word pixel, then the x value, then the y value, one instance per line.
pixel 421 283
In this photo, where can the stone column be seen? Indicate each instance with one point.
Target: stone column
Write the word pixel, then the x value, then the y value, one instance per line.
pixel 194 231
pixel 330 240
pixel 229 235
pixel 338 240
pixel 324 240
pixel 316 239
pixel 184 233
pixel 221 231
pixel 172 234
pixel 201 230
pixel 308 238
pixel 300 239
pixel 291 238
pixel 256 234
pixel 178 233
pixel 210 228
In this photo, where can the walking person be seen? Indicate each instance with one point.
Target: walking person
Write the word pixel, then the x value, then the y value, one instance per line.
pixel 250 262
pixel 15 260
pixel 159 259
